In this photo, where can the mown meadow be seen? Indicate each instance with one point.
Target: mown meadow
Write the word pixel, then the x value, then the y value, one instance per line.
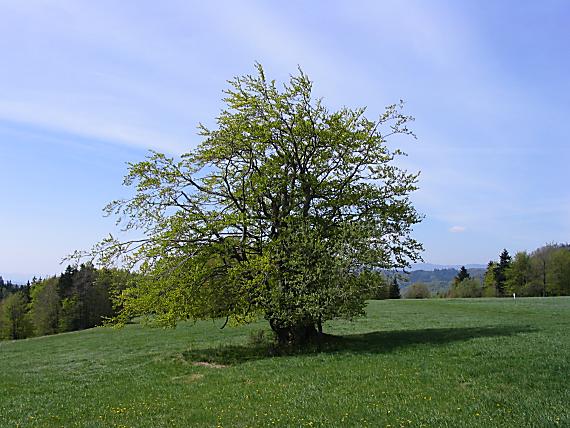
pixel 408 363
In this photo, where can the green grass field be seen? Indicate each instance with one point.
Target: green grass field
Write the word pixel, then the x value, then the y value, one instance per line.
pixel 437 363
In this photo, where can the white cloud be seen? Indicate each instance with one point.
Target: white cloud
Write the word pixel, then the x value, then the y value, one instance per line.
pixel 457 229
pixel 91 126
pixel 104 74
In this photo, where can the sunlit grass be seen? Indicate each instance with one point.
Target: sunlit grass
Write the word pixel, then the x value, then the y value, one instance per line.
pixel 480 362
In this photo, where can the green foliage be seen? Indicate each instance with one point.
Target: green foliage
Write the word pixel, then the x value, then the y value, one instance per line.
pixel 6 288
pixel 86 296
pixel 501 272
pixel 375 283
pixel 519 274
pixel 80 298
pixel 490 281
pixel 108 285
pixel 70 314
pixel 543 272
pixel 468 287
pixel 45 306
pixel 14 322
pixel 558 276
pixel 394 292
pixel 461 276
pixel 417 291
pixel 277 213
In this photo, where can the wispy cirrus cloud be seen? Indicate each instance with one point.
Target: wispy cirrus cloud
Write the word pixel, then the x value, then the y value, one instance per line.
pixel 488 93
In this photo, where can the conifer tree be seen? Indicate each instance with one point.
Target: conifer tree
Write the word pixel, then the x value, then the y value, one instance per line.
pixel 461 275
pixel 395 289
pixel 501 272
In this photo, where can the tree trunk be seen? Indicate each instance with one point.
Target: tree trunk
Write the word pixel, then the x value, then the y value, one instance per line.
pixel 299 334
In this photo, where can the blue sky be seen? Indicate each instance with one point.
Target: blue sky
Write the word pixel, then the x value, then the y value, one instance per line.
pixel 87 86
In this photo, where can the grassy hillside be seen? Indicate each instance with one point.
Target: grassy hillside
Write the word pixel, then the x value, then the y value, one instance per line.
pixel 480 362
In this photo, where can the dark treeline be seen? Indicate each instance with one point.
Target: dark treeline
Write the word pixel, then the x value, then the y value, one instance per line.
pixel 7 287
pixel 79 298
pixel 543 272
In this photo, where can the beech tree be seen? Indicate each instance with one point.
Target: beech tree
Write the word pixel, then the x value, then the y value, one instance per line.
pixel 519 274
pixel 466 288
pixel 45 306
pixel 559 272
pixel 490 280
pixel 14 323
pixel 417 290
pixel 277 213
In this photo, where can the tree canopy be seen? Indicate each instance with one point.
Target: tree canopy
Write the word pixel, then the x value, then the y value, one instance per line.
pixel 501 272
pixel 543 272
pixel 461 275
pixel 394 292
pixel 277 213
pixel 79 298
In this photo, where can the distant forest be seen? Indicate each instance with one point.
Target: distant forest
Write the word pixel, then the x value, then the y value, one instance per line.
pixel 79 298
pixel 438 280
pixel 84 297
pixel 543 272
pixel 7 287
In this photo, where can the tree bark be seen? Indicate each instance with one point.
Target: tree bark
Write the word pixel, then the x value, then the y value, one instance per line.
pixel 299 334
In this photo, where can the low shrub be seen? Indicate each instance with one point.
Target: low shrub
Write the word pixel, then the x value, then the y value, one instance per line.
pixel 417 291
